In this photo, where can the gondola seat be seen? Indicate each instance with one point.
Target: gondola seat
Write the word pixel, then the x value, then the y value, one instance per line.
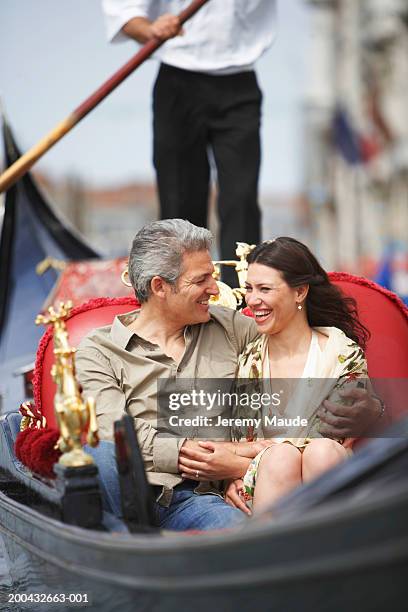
pixel 383 313
pixel 84 318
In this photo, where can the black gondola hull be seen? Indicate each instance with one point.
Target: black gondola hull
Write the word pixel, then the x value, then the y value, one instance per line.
pixel 344 554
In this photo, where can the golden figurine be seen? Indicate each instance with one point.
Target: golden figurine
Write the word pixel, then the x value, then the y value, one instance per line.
pixel 232 298
pixel 75 418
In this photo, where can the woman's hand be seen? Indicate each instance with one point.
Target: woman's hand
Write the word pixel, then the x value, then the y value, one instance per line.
pixel 212 462
pixel 233 496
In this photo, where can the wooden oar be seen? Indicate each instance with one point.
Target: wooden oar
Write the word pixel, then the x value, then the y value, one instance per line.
pixel 24 163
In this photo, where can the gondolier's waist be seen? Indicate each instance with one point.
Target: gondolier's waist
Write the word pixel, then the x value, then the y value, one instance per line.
pixel 227 72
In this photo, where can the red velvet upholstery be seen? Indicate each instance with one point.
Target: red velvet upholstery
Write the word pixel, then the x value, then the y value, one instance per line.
pixel 381 312
pixel 83 319
pixel 384 314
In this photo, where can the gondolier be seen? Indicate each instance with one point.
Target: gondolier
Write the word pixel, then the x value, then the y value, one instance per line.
pixel 206 96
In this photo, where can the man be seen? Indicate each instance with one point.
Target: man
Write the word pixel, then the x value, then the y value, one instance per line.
pixel 206 97
pixel 175 334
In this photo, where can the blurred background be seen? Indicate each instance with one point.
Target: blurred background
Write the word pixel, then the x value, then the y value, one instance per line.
pixel 335 129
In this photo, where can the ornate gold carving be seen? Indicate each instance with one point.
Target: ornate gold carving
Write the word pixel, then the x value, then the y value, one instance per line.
pixel 75 417
pixel 227 296
pixel 31 417
pixel 50 262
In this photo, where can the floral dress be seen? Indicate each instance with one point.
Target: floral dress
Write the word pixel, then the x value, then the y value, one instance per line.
pixel 326 372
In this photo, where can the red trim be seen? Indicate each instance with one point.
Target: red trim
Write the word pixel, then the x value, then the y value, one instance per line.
pixel 47 337
pixel 365 282
pixel 20 442
pixel 43 454
pixel 35 448
pixel 24 444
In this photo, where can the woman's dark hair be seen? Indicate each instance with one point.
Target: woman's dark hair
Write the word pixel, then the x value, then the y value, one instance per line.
pixel 326 306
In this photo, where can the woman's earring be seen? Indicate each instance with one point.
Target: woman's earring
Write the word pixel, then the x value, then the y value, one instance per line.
pixel 299 306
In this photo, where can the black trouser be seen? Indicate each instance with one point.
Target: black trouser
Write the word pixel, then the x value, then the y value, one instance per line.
pixel 195 111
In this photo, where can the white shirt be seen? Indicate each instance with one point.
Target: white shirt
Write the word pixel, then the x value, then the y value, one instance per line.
pixel 223 37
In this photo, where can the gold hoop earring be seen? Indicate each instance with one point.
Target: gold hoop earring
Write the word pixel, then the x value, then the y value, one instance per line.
pixel 124 277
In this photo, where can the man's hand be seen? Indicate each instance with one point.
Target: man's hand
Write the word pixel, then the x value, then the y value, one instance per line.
pixel 251 449
pixel 211 461
pixel 233 498
pixel 165 27
pixel 349 421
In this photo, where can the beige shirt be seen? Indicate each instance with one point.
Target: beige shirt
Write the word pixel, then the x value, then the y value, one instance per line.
pixel 120 370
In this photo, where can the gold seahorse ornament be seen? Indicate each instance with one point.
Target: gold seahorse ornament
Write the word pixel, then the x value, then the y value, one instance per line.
pixel 76 418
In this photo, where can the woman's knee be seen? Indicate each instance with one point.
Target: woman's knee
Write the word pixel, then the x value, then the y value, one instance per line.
pixel 323 453
pixel 282 459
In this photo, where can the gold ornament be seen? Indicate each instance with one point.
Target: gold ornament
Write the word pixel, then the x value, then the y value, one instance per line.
pixel 75 418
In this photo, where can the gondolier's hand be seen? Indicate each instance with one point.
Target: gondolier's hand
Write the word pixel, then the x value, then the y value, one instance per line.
pixel 212 461
pixel 143 30
pixel 165 27
pixel 233 497
pixel 350 421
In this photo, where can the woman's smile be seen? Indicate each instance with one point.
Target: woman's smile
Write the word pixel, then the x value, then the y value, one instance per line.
pixel 261 315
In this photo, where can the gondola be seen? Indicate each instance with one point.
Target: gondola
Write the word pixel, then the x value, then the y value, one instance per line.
pixel 348 551
pixel 338 543
pixel 31 232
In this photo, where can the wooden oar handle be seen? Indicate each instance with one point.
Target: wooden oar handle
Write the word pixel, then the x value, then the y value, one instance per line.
pixel 145 52
pixel 26 161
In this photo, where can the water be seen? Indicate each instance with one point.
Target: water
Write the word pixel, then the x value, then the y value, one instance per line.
pixel 3 568
pixel 4 574
pixel 5 582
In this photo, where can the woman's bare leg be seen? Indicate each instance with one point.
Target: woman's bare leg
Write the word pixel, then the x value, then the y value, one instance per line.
pixel 320 455
pixel 279 471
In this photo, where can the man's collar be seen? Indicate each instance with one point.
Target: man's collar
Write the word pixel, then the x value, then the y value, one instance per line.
pixel 120 332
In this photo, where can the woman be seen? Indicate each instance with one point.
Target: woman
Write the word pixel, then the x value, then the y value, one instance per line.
pixel 309 331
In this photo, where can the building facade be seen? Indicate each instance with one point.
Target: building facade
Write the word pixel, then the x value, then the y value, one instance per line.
pixel 356 117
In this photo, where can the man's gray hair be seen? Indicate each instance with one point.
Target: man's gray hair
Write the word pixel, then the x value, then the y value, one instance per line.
pixel 158 249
